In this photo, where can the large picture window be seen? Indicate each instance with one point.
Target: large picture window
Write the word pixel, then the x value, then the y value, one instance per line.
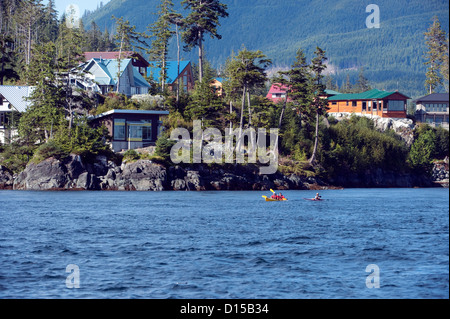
pixel 140 131
pixel 395 105
pixel 119 129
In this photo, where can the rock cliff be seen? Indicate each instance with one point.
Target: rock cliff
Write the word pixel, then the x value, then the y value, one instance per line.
pixel 143 175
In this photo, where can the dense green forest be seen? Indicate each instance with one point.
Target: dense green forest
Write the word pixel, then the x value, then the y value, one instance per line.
pixel 392 56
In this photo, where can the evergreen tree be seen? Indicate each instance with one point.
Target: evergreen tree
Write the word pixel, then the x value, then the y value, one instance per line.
pixel 7 59
pixel 435 56
pixel 246 71
pixel 161 33
pixel 27 16
pixel 69 45
pixel 46 109
pixel 319 102
pixel 362 85
pixel 203 18
pixel 49 23
pixel 205 105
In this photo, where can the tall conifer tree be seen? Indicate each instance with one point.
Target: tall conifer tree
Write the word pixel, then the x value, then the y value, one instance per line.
pixel 203 19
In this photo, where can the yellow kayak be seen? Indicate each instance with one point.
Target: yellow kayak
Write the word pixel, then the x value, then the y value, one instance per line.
pixel 274 200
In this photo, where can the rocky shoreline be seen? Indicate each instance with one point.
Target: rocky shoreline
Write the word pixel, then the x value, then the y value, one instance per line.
pixel 143 175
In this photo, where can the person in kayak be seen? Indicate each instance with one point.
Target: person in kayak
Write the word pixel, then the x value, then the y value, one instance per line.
pixel 281 197
pixel 318 197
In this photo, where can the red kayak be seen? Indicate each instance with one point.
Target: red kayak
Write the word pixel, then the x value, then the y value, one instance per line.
pixel 313 199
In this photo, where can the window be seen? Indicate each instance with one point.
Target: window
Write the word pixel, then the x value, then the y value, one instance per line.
pixel 2 118
pixel 134 132
pixel 364 106
pixel 147 132
pixel 354 103
pixel 140 131
pixel 370 106
pixel 375 105
pixel 119 129
pixel 333 103
pixel 396 106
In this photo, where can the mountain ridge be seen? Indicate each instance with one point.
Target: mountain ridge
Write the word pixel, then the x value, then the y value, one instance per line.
pixel 392 56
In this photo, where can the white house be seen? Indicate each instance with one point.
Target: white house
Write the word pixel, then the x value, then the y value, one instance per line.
pixel 12 99
pixel 102 75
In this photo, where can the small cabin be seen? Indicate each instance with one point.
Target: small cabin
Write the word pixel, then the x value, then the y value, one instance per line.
pixel 131 129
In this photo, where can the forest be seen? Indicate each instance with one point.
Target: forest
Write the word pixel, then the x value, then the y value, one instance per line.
pixel 40 49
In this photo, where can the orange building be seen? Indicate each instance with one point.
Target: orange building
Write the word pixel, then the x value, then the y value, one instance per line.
pixel 373 102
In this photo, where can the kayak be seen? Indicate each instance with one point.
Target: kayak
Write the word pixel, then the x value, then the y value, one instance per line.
pixel 274 200
pixel 313 199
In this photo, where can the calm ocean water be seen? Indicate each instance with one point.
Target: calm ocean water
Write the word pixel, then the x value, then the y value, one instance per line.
pixel 225 245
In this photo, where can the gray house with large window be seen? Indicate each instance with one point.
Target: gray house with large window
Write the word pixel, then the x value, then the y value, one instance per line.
pixel 433 109
pixel 131 129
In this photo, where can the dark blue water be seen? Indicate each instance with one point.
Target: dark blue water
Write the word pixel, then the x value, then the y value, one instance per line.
pixel 225 244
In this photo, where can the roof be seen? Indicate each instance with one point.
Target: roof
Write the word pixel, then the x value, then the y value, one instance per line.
pixel 111 68
pixel 435 97
pixel 141 112
pixel 369 95
pixel 114 55
pixel 17 95
pixel 332 92
pixel 277 88
pixel 172 70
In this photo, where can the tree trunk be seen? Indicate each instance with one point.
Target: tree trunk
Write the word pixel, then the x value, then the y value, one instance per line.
pixel 312 160
pixel 241 123
pixel 280 122
pixel 163 80
pixel 200 56
pixel 178 65
pixel 119 62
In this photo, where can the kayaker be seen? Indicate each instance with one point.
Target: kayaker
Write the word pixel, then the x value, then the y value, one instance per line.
pixel 318 197
pixel 282 197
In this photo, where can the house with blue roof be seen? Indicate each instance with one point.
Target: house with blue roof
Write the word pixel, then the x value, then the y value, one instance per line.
pixel 182 75
pixel 103 76
pixel 12 99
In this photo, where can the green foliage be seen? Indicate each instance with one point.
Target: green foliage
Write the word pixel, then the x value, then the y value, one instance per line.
pixel 116 101
pixel 131 155
pixel 15 156
pixel 435 56
pixel 47 150
pixel 163 148
pixel 355 146
pixel 422 151
pixel 442 143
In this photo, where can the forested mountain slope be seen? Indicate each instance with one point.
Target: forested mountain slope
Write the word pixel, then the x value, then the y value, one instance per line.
pixel 392 56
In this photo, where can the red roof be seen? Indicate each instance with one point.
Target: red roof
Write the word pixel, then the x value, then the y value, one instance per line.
pixel 278 88
pixel 114 55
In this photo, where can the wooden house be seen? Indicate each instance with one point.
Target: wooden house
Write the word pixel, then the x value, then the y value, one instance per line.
pixel 373 102
pixel 433 109
pixel 130 129
pixel 181 76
